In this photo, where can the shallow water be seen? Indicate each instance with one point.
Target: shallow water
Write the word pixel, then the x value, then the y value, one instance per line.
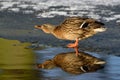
pixel 19 62
pixel 17 20
pixel 111 70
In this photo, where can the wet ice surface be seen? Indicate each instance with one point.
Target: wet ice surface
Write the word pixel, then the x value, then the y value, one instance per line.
pixel 97 9
pixel 110 72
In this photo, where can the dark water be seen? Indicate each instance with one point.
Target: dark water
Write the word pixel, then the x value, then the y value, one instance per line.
pixel 19 63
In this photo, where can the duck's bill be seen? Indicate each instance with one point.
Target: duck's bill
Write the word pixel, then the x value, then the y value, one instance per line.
pixel 37 26
pixel 100 29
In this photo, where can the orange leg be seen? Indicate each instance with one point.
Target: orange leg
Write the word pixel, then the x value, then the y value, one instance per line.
pixel 74 45
pixel 76 50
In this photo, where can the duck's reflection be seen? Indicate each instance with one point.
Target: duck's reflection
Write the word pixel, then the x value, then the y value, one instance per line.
pixel 71 63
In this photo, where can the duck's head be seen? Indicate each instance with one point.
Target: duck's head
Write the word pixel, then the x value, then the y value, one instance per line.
pixel 47 28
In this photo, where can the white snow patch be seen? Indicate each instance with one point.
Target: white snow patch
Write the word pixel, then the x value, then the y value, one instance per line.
pixel 62 7
pixel 28 11
pixel 14 9
pixel 5 5
pixel 109 18
pixel 117 16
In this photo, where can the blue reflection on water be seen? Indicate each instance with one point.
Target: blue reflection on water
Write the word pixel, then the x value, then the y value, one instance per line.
pixel 110 72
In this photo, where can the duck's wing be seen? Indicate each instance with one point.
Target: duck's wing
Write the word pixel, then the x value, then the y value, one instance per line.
pixel 78 22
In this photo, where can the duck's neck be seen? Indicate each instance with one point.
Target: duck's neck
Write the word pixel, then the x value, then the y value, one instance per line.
pixel 57 32
pixel 52 29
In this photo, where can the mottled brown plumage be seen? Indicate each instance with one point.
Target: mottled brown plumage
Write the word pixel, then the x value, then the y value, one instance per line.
pixel 72 64
pixel 70 28
pixel 74 28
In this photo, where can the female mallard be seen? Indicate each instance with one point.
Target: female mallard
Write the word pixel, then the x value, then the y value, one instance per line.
pixel 74 28
pixel 76 65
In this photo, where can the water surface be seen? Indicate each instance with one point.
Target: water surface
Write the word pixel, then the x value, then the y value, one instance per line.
pixel 111 71
pixel 17 20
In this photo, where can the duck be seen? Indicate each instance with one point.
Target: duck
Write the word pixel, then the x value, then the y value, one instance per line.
pixel 73 28
pixel 68 62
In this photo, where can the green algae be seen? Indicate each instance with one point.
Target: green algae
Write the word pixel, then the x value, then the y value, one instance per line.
pixel 15 55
